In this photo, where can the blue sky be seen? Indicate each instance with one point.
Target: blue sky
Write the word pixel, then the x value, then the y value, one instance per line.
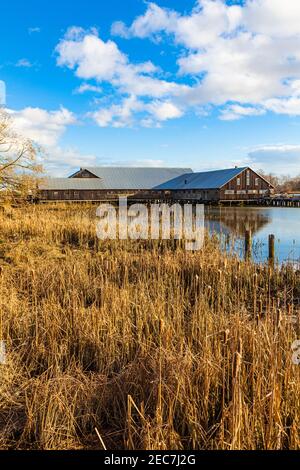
pixel 205 84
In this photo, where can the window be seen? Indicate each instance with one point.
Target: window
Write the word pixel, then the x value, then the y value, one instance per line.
pixel 229 191
pixel 263 191
pixel 238 181
pixel 76 194
pixel 241 191
pixel 252 191
pixel 55 193
pixel 256 181
pixel 248 178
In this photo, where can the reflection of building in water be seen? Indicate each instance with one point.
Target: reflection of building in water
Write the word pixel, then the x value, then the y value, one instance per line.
pixel 235 220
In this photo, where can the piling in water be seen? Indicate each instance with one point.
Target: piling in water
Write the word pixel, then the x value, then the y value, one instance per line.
pixel 248 244
pixel 271 249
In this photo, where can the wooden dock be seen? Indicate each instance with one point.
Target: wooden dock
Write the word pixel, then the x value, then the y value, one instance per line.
pixel 279 202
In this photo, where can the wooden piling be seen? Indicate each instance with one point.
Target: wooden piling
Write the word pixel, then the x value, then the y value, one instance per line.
pixel 271 249
pixel 248 244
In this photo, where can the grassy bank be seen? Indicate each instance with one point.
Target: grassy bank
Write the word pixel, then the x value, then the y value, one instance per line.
pixel 157 348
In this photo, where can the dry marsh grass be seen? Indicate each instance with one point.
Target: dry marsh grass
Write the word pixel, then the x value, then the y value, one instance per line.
pixel 155 347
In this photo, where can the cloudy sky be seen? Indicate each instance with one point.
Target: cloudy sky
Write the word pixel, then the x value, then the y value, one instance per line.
pixel 206 84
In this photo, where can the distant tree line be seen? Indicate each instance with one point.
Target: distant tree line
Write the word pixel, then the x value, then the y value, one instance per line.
pixel 283 183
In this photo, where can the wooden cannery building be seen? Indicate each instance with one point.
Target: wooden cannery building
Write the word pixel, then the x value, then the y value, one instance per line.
pixel 106 183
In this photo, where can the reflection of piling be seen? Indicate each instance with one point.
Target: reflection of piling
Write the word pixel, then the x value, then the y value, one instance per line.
pixel 248 244
pixel 271 249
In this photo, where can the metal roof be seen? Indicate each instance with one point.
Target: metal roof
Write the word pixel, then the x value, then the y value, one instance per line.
pixel 133 177
pixel 110 178
pixel 204 180
pixel 57 184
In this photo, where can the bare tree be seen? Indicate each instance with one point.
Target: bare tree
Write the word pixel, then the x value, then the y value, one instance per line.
pixel 283 183
pixel 18 158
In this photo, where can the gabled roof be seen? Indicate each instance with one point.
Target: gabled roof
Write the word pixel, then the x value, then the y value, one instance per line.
pixel 204 180
pixel 76 184
pixel 133 177
pixel 78 172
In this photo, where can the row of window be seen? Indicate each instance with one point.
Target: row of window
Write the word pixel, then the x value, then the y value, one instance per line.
pixel 76 194
pixel 238 180
pixel 244 191
pixel 190 191
pixel 95 194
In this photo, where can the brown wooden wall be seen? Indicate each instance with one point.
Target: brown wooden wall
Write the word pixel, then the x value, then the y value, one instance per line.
pixel 99 195
pixel 84 174
pixel 252 187
pixel 197 194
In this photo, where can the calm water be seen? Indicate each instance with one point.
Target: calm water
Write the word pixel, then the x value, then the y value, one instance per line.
pixel 284 223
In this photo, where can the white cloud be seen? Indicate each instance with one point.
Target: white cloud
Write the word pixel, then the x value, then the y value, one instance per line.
pixel 138 163
pixel 149 122
pixel 47 128
pixel 247 55
pixel 155 20
pixel 24 63
pixel 2 93
pixel 89 55
pixel 92 58
pixel 273 17
pixel 59 159
pixel 245 59
pixel 211 18
pixel 201 27
pixel 34 29
pixel 118 115
pixel 86 87
pixel 290 106
pixel 124 113
pixel 164 110
pixel 140 92
pixel 119 29
pixel 284 158
pixel 234 112
pixel 44 127
pixel 246 69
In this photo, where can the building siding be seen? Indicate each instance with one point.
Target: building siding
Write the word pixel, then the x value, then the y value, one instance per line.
pixel 95 195
pixel 197 195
